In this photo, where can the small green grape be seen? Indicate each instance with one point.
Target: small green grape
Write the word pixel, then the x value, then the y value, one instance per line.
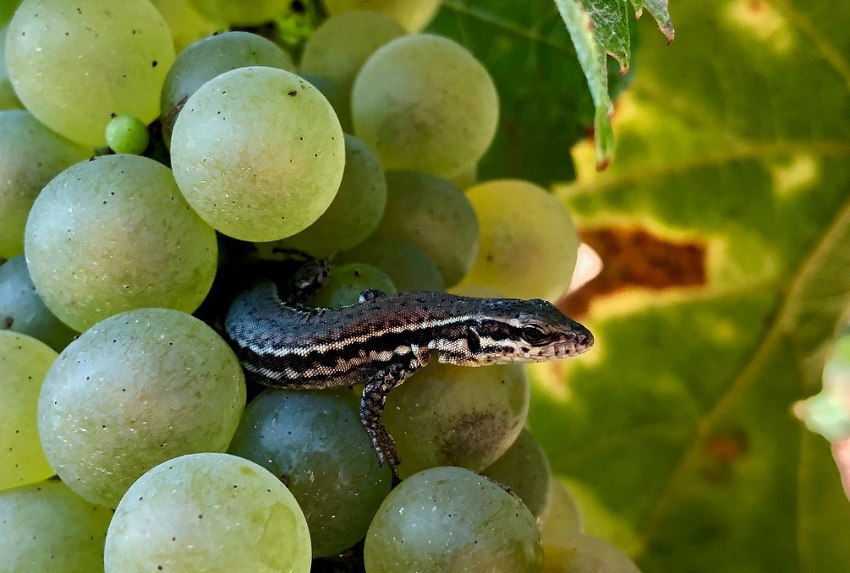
pixel 47 527
pixel 316 442
pixel 433 214
pixel 412 14
pixel 208 512
pixel 258 152
pixel 133 390
pixel 113 234
pixel 452 519
pixel 424 103
pixel 581 553
pixel 22 310
pixel 346 282
pixel 527 252
pixel 524 470
pixel 210 57
pixel 127 134
pixel 24 362
pixel 22 138
pixel 405 263
pixel 98 57
pixel 453 415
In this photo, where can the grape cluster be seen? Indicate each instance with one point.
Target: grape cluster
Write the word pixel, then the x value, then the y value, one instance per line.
pixel 148 168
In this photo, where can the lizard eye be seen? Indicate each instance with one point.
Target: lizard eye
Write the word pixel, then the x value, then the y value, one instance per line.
pixel 533 334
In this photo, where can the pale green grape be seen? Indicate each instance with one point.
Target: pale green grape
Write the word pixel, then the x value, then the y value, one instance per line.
pixel 30 156
pixel 77 63
pixel 113 234
pixel 211 57
pixel 241 12
pixel 453 415
pixel 528 242
pixel 258 152
pixel 208 512
pixel 22 310
pixel 561 517
pixel 433 214
pixel 46 527
pixel 346 282
pixel 405 263
pixel 342 44
pixel 133 390
pixel 315 442
pixel 24 362
pixel 354 212
pixel 412 14
pixel 524 470
pixel 8 99
pixel 425 103
pixel 127 134
pixel 448 519
pixel 581 553
pixel 187 25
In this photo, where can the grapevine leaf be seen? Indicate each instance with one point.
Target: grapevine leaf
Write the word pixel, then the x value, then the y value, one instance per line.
pixel 532 59
pixel 658 9
pixel 724 226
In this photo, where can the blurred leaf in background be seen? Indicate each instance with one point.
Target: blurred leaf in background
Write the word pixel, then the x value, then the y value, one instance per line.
pixel 724 222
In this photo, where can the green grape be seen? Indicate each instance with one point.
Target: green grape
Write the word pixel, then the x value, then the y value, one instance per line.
pixel 581 553
pixel 433 214
pixel 22 310
pixel 412 14
pixel 23 138
pixel 24 362
pixel 524 470
pixel 187 25
pixel 450 519
pixel 47 527
pixel 240 13
pixel 8 99
pixel 453 415
pixel 346 282
pixel 98 57
pixel 127 134
pixel 315 443
pixel 211 57
pixel 339 99
pixel 258 152
pixel 342 44
pixel 560 518
pixel 133 390
pixel 526 252
pixel 113 234
pixel 207 512
pixel 354 212
pixel 406 265
pixel 425 103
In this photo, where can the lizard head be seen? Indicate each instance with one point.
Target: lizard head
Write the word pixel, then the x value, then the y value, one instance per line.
pixel 515 330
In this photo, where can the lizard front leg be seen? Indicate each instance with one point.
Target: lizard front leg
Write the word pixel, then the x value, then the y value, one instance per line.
pixel 372 405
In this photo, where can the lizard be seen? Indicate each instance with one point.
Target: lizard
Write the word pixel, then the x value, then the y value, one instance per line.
pixel 384 338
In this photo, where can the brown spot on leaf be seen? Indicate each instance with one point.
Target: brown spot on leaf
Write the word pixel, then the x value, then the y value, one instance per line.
pixel 8 321
pixel 634 258
pixel 722 451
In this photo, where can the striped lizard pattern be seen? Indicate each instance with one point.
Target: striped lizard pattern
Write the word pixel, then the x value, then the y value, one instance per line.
pixel 383 339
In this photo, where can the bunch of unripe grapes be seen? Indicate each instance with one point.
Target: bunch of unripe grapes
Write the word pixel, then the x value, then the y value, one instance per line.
pixel 138 167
